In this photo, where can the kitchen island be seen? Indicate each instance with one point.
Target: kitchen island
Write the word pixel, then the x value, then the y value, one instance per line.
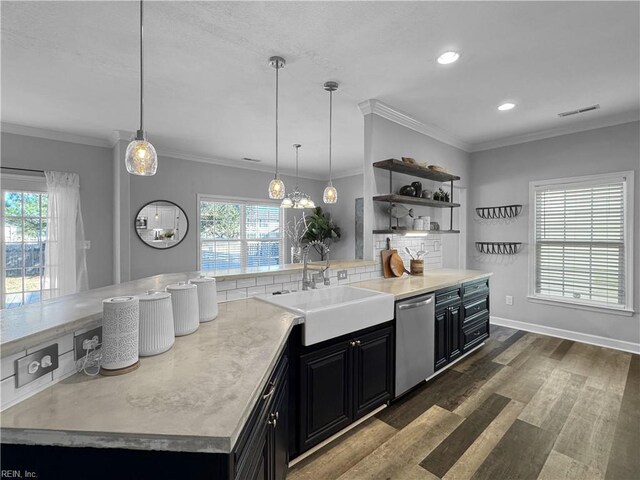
pixel 203 400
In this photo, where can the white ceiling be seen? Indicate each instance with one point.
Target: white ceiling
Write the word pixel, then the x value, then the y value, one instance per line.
pixel 72 67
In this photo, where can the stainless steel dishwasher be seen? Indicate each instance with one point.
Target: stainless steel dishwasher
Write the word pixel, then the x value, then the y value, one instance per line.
pixel 415 325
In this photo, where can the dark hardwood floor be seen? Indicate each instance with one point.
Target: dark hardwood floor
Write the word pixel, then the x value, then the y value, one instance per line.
pixel 525 406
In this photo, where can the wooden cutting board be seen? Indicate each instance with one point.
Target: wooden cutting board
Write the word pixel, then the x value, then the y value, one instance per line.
pixel 397 265
pixel 386 256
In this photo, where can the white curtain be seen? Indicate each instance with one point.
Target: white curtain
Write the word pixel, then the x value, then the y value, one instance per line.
pixel 65 255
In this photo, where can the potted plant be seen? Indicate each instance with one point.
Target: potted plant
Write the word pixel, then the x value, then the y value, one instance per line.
pixel 320 228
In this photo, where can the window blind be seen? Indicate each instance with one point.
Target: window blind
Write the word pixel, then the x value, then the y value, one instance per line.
pixel 239 234
pixel 580 242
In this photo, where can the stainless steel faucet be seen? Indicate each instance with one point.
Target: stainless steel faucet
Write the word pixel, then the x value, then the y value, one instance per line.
pixel 310 282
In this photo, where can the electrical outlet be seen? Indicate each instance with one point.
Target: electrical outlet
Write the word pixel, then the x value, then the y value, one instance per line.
pixel 342 275
pixel 509 300
pixel 37 364
pixel 78 341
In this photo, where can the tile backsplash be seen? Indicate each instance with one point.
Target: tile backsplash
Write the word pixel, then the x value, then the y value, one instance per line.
pixel 432 245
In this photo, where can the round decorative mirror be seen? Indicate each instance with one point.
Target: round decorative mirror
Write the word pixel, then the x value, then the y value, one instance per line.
pixel 161 224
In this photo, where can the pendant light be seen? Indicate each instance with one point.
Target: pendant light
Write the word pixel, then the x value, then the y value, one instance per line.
pixel 297 199
pixel 330 193
pixel 141 157
pixel 276 187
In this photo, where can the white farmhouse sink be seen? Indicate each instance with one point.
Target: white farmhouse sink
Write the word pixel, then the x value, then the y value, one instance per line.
pixel 334 311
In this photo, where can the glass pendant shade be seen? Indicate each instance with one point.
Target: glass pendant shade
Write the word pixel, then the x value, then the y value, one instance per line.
pixel 276 189
pixel 330 194
pixel 286 203
pixel 141 158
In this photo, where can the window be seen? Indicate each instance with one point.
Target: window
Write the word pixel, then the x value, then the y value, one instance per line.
pixel 581 240
pixel 239 234
pixel 24 230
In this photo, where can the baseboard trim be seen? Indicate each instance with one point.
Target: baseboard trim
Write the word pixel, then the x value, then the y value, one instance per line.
pixel 568 335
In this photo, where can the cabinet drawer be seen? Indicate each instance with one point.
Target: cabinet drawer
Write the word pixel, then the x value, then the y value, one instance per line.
pixel 474 289
pixel 476 333
pixel 445 298
pixel 475 307
pixel 251 442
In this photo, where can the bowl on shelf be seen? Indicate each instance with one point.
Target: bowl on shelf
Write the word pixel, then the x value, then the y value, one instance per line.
pixel 407 190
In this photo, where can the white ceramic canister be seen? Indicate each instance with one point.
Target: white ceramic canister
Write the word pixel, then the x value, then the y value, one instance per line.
pixel 157 333
pixel 418 224
pixel 119 332
pixel 184 300
pixel 207 297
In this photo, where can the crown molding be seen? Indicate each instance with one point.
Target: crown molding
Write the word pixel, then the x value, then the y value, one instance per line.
pixel 610 121
pixel 346 173
pixel 376 107
pixel 120 136
pixel 54 135
pixel 224 162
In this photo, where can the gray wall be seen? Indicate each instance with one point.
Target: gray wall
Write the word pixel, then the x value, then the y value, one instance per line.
pixel 94 165
pixel 344 215
pixel 501 176
pixel 180 181
pixel 385 139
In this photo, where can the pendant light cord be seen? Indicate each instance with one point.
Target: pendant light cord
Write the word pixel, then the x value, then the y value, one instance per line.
pixel 277 69
pixel 297 147
pixel 141 69
pixel 330 131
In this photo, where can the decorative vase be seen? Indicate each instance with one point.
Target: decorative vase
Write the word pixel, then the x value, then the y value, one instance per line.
pixel 296 254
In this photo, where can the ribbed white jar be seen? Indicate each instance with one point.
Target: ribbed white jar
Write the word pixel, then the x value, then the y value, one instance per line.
pixel 184 300
pixel 157 332
pixel 119 332
pixel 207 297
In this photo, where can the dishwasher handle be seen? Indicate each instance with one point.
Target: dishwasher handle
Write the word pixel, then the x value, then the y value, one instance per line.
pixel 407 306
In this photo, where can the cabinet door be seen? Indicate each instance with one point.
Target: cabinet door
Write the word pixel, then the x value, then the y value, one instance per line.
pixel 373 371
pixel 325 393
pixel 455 332
pixel 280 440
pixel 440 334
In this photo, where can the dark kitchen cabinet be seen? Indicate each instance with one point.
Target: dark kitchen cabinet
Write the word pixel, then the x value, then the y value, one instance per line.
pixel 441 357
pixel 448 327
pixel 262 449
pixel 374 366
pixel 455 332
pixel 475 313
pixel 342 380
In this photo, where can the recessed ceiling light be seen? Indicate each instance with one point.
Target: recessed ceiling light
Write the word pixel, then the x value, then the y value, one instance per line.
pixel 448 57
pixel 506 106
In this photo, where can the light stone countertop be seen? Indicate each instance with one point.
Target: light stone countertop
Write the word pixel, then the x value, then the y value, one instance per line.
pixel 412 285
pixel 30 325
pixel 196 397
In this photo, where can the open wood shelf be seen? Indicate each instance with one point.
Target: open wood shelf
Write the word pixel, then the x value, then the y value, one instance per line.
pixel 399 166
pixel 414 201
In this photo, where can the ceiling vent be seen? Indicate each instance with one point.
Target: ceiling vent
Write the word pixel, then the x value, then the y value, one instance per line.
pixel 254 160
pixel 580 110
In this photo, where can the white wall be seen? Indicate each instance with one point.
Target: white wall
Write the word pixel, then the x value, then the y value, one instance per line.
pixel 344 215
pixel 501 176
pixel 93 165
pixel 385 139
pixel 180 181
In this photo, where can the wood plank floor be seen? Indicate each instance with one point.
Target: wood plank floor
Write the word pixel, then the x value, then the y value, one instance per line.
pixel 525 406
